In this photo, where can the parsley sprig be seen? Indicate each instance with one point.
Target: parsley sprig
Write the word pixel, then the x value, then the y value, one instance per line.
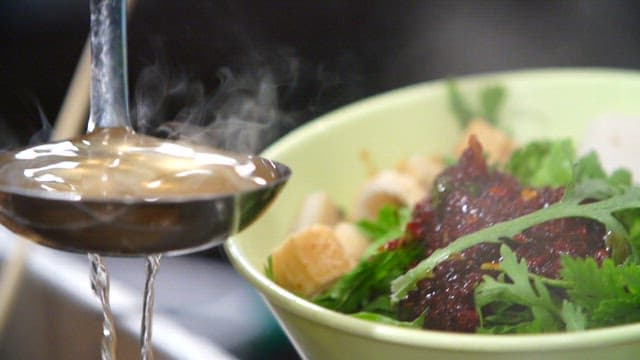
pixel 596 296
pixel 516 292
pixel 608 294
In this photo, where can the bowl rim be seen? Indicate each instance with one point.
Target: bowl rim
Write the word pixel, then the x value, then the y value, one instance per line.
pixel 614 335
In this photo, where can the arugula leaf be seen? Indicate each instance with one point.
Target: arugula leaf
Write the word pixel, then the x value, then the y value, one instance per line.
pixel 543 163
pixel 609 294
pixel 389 225
pixel 517 289
pixel 370 279
pixel 572 205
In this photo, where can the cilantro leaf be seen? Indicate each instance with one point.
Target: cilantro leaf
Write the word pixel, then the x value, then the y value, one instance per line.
pixel 517 290
pixel 573 316
pixel 543 163
pixel 609 294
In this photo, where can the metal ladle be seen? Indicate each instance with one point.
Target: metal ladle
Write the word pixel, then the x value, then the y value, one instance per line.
pixel 91 225
pixel 57 220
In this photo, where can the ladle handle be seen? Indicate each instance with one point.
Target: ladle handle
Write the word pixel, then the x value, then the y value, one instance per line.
pixel 109 87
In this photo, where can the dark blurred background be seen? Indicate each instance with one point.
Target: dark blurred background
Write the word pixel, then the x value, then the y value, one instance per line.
pixel 314 56
pixel 319 54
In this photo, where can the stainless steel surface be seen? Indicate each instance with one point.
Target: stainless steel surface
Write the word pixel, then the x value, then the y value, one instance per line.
pixel 139 227
pixel 109 82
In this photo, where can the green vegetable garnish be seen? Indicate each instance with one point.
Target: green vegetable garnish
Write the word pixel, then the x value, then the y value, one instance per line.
pixel 598 296
pixel 491 100
pixel 367 286
pixel 522 291
pixel 268 268
pixel 369 279
pixel 388 226
pixel 417 323
pixel 543 163
pixel 609 294
pixel 459 105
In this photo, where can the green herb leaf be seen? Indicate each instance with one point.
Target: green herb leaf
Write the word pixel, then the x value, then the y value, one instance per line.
pixel 389 225
pixel 609 294
pixel 543 163
pixel 491 99
pixel 370 279
pixel 573 316
pixel 459 106
pixel 416 324
pixel 268 268
pixel 627 249
pixel 517 289
pixel 366 287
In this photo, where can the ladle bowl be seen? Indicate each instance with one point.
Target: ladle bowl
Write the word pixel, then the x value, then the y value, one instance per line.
pixel 135 226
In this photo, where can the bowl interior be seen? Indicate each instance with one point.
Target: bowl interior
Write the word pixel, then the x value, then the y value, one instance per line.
pixel 326 155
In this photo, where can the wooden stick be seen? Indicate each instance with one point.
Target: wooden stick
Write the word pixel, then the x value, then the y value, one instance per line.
pixel 72 117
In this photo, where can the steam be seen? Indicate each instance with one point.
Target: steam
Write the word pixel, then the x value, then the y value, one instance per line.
pixel 244 113
pixel 11 139
pixel 42 135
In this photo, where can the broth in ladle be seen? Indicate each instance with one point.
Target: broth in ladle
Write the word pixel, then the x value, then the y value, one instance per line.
pixel 116 192
pixel 117 164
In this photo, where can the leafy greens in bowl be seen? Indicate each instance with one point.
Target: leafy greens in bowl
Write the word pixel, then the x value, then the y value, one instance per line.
pixel 550 104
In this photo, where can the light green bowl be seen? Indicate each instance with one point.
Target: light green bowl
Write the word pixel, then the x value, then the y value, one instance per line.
pixel 325 154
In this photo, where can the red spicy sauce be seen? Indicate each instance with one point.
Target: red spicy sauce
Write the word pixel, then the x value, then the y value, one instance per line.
pixel 470 196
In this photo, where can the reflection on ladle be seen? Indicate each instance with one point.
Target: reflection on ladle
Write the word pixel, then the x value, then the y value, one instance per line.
pixel 119 193
pixel 115 192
